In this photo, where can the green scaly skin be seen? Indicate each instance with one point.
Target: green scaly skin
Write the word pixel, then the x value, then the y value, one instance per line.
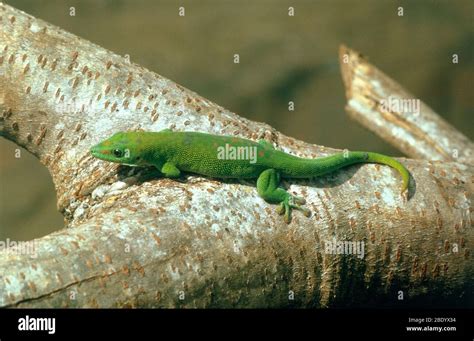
pixel 175 152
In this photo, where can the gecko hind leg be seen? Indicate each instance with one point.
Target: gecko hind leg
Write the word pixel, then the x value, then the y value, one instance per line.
pixel 267 188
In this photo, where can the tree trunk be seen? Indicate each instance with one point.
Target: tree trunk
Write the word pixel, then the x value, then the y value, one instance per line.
pixel 133 240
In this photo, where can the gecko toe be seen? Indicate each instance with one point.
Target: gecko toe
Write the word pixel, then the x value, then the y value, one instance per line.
pixel 287 216
pixel 281 209
pixel 299 200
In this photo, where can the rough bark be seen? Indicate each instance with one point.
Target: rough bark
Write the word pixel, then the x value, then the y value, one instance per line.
pixel 136 240
pixel 418 133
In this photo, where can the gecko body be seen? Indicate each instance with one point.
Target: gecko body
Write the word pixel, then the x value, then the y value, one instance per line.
pixel 231 157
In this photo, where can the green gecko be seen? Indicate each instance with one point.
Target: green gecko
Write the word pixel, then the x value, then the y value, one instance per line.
pixel 231 157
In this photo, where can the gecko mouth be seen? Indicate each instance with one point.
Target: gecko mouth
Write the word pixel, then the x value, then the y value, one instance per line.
pixel 98 153
pixel 94 151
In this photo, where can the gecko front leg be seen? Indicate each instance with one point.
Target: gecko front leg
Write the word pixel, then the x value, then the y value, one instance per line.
pixel 170 170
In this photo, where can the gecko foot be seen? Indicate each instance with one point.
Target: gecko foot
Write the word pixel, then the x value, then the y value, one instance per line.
pixel 290 203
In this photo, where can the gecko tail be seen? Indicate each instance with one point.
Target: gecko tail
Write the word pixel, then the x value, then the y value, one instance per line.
pixel 387 160
pixel 320 166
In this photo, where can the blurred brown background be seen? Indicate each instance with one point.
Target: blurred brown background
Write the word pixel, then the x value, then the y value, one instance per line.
pixel 282 59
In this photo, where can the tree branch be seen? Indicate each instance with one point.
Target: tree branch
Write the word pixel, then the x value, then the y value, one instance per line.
pixel 134 240
pixel 408 123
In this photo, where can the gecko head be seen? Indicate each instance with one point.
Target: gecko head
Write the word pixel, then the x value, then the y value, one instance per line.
pixel 121 147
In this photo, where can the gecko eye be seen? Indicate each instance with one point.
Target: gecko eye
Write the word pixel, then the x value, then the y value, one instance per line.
pixel 118 153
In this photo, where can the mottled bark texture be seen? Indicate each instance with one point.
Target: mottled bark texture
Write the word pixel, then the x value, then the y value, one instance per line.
pixel 134 240
pixel 383 106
